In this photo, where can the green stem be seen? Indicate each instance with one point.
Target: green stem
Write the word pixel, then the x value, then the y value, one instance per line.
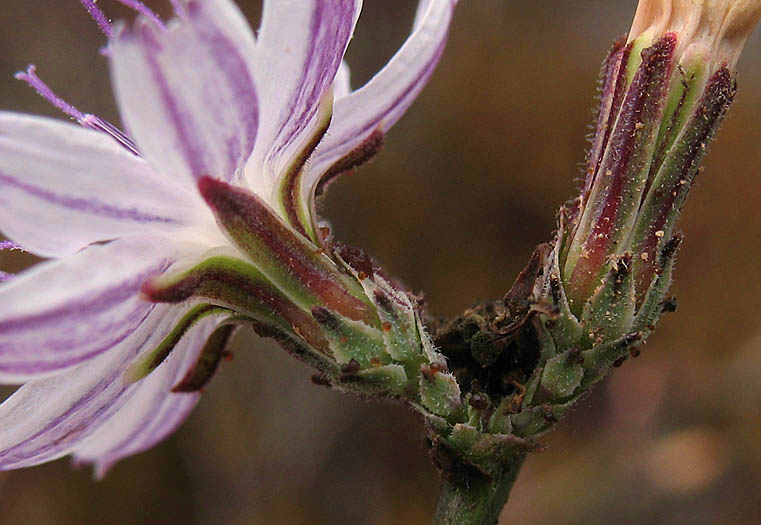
pixel 476 500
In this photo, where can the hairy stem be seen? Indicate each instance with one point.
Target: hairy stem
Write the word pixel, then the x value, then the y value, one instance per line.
pixel 476 499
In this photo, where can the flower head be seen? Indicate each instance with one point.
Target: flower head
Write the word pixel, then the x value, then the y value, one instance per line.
pixel 665 90
pixel 165 239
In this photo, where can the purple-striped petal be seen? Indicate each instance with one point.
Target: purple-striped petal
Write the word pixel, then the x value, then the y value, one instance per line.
pixel 153 412
pixel 61 313
pixel 300 47
pixel 46 418
pixel 63 187
pixel 186 94
pixel 382 101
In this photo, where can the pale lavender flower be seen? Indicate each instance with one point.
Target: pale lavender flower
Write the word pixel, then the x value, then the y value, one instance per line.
pixel 265 120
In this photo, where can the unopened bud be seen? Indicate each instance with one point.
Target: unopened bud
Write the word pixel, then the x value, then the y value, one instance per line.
pixel 664 93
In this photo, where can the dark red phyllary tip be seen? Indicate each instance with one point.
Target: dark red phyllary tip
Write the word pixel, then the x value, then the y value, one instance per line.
pixel 358 156
pixel 356 258
pixel 208 187
pixel 351 368
pixel 208 361
pixel 286 257
pixel 179 292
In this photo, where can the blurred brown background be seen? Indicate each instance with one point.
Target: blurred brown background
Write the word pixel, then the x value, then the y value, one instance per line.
pixel 467 185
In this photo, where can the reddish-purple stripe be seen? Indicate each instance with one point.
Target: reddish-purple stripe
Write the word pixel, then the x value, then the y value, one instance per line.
pixel 114 333
pixel 182 125
pixel 17 453
pixel 93 206
pixel 172 411
pixel 611 86
pixel 83 307
pixel 240 144
pixel 240 140
pixel 330 30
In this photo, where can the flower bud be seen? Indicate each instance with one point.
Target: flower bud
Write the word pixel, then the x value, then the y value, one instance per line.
pixel 665 90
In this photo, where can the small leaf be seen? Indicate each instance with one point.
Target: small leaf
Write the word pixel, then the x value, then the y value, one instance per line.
pixel 651 308
pixel 351 340
pixel 609 313
pixel 561 376
pixel 440 393
pixel 463 438
pixel 599 360
pixel 385 379
pixel 500 421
